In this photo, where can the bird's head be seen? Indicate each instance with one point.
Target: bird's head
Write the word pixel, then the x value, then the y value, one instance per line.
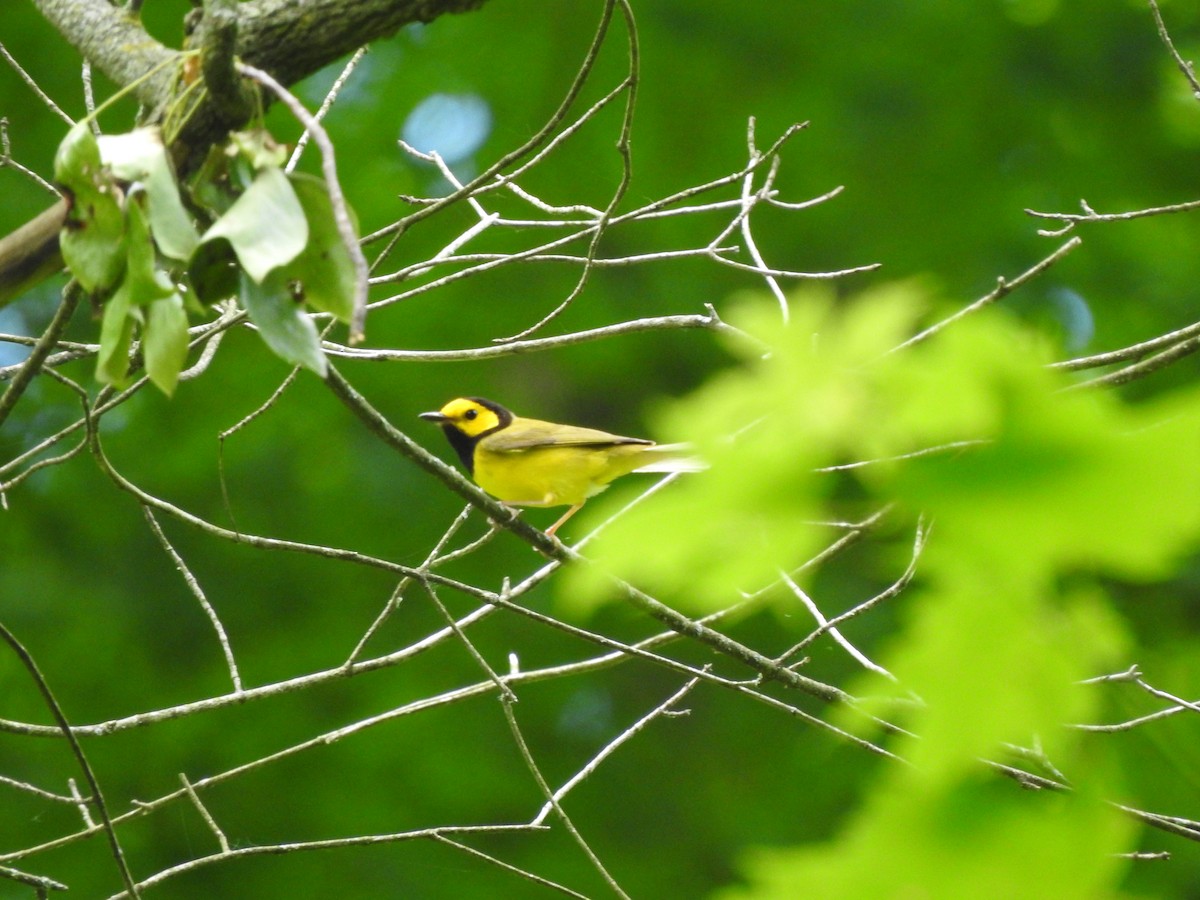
pixel 471 417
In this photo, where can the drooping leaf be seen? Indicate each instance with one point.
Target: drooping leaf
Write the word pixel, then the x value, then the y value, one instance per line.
pixel 116 338
pixel 139 156
pixel 144 281
pixel 144 284
pixel 265 225
pixel 165 342
pixel 282 322
pixel 323 270
pixel 93 238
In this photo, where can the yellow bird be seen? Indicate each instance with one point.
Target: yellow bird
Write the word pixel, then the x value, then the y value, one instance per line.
pixel 527 462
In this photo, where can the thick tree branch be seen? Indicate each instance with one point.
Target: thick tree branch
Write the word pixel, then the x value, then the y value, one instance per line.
pixel 291 40
pixel 114 42
pixel 30 254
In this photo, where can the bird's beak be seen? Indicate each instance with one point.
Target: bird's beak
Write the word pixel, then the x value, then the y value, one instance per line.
pixel 432 417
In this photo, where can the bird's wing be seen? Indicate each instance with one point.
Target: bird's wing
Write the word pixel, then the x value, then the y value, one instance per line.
pixel 529 434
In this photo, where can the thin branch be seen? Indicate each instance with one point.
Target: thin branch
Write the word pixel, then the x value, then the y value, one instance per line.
pixel 1185 67
pixel 6 159
pixel 1133 351
pixel 81 804
pixel 629 85
pixel 41 350
pixel 824 625
pixel 707 320
pixel 750 198
pixel 1090 215
pixel 508 867
pixel 97 798
pixel 611 747
pixel 222 841
pixel 894 590
pixel 536 772
pixel 35 87
pixel 364 840
pixel 194 587
pixel 39 883
pixel 534 141
pixel 506 694
pixel 1003 288
pixel 330 97
pixel 36 791
pixel 1146 367
pixel 398 593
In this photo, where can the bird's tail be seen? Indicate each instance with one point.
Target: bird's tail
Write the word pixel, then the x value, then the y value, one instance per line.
pixel 667 458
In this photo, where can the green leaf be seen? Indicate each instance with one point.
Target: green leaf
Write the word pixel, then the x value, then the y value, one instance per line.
pixel 144 284
pixel 144 281
pixel 116 338
pixel 323 270
pixel 265 226
pixel 93 238
pixel 1007 616
pixel 1078 478
pixel 282 322
pixel 139 156
pixel 165 342
pixel 78 156
pixel 978 838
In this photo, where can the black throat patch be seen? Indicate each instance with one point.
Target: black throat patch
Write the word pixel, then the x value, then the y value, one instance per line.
pixel 463 445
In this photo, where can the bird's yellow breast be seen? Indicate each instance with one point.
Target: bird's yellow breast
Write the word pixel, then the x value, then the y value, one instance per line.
pixel 554 475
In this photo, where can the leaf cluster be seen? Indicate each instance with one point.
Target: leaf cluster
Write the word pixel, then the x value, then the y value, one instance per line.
pixel 254 231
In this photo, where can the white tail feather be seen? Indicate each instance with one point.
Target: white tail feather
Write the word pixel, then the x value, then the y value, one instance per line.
pixel 670 459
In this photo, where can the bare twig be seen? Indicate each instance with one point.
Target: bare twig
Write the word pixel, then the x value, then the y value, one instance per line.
pixel 97 798
pixel 1146 367
pixel 41 350
pixel 327 104
pixel 709 320
pixel 1003 288
pixel 1090 215
pixel 35 87
pixel 194 587
pixel 536 772
pixel 363 840
pixel 611 747
pixel 6 159
pixel 222 841
pixel 1134 351
pixel 1188 70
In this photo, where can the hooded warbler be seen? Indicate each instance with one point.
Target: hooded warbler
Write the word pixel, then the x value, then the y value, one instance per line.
pixel 527 462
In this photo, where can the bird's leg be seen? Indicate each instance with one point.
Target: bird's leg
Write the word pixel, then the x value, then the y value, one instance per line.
pixel 570 512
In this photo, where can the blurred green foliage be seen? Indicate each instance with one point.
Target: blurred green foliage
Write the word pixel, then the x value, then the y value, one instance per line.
pixel 944 120
pixel 1059 487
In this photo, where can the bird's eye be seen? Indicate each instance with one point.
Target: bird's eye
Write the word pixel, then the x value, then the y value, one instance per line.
pixel 470 414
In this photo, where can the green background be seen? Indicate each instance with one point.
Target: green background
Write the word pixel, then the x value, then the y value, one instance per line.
pixel 943 120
